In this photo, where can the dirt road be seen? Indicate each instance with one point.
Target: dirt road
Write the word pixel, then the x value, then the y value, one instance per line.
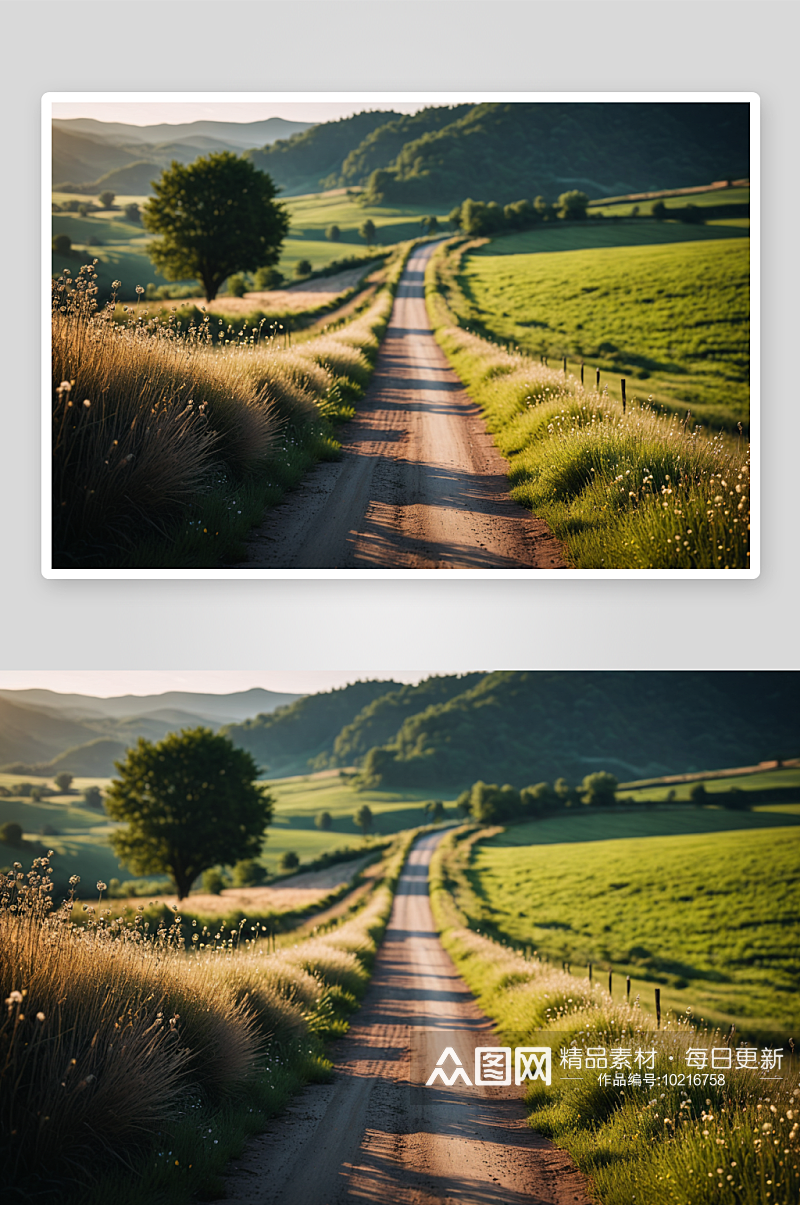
pixel 376 1133
pixel 420 484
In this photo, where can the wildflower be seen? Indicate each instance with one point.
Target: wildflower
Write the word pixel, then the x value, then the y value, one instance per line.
pixel 14 998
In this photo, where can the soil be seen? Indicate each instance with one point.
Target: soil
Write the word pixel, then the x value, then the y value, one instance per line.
pixel 419 485
pixel 376 1133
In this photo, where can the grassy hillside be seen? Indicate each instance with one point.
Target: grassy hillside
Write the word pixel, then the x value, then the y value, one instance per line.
pixel 526 727
pixel 674 318
pixel 710 913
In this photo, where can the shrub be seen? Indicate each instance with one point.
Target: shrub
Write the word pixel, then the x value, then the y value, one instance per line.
pixel 289 860
pixel 303 268
pixel 132 212
pixel 213 881
pixel 63 781
pixel 106 198
pixel 93 797
pixel 268 278
pixel 62 244
pixel 237 285
pixel 333 234
pixel 11 833
pixel 324 821
pixel 248 873
pixel 698 794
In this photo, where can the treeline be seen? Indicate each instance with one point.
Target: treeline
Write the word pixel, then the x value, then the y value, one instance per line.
pixel 487 803
pixel 478 218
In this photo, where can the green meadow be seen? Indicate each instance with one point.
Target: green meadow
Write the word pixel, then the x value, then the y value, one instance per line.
pixel 79 835
pixel 664 305
pixel 701 200
pixel 702 903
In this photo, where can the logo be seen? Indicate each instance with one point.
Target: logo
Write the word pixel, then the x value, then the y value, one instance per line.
pixel 493 1066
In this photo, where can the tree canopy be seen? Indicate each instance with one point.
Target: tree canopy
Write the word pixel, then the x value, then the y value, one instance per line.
pixel 188 802
pixel 216 216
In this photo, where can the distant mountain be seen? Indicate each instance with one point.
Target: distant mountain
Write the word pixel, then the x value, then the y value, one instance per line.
pixel 92 155
pixel 221 709
pixel 287 741
pixel 42 731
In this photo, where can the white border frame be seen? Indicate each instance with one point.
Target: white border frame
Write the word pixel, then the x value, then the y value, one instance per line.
pixel 387 98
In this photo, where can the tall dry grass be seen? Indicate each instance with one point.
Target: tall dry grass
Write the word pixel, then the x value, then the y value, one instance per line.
pixel 154 416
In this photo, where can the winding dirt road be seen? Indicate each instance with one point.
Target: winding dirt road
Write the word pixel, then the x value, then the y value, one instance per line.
pixel 420 484
pixel 376 1133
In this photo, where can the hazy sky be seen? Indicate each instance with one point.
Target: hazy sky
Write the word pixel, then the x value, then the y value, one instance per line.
pixel 144 113
pixel 152 682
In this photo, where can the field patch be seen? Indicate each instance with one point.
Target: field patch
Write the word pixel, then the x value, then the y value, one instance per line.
pixel 710 915
pixel 670 316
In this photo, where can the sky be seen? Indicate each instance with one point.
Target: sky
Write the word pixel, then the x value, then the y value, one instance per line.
pixel 143 113
pixel 108 683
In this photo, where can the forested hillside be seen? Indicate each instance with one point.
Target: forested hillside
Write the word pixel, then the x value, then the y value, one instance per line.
pixel 287 740
pixel 504 152
pixel 527 727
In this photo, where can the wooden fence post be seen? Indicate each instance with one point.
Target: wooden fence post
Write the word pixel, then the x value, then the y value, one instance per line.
pixel 658 1007
pixel 622 382
pixel 628 992
pixel 597 383
pixel 565 365
pixel 581 374
pixel 610 973
pixel 590 972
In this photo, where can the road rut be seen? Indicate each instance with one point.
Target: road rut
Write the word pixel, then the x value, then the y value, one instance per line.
pixel 374 1135
pixel 420 484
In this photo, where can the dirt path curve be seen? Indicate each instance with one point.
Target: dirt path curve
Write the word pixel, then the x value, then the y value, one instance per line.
pixel 420 484
pixel 374 1135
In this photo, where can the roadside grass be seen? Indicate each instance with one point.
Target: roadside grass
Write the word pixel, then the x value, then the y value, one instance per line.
pixel 670 315
pixel 736 1144
pixel 171 439
pixel 709 916
pixel 623 489
pixel 151 1059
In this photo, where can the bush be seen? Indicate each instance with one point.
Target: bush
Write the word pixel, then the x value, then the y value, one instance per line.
pixel 93 797
pixel 333 234
pixel 303 268
pixel 268 278
pixel 698 794
pixel 248 873
pixel 213 881
pixel 132 212
pixel 324 821
pixel 62 244
pixel 289 860
pixel 237 285
pixel 11 833
pixel 106 198
pixel 84 209
pixel 63 781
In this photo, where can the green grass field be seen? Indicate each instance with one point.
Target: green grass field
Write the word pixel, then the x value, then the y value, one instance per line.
pixel 120 245
pixel 786 777
pixel 715 197
pixel 664 305
pixel 702 902
pixel 81 838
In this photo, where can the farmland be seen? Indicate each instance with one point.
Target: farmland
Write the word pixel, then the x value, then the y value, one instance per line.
pixel 664 305
pixel 120 245
pixel 80 840
pixel 701 902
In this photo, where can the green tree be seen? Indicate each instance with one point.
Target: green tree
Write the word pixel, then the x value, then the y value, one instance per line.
pixel 188 802
pixel 333 234
pixel 93 797
pixel 599 789
pixel 289 860
pixel 268 278
pixel 106 198
pixel 84 209
pixel 544 209
pixel 324 821
pixel 63 781
pixel 303 267
pixel 572 205
pixel 62 244
pixel 698 794
pixel 435 811
pixel 215 216
pixel 454 217
pixel 538 798
pixel 363 819
pixel 463 804
pixel 367 231
pixel 37 794
pixel 132 212
pixel 659 211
